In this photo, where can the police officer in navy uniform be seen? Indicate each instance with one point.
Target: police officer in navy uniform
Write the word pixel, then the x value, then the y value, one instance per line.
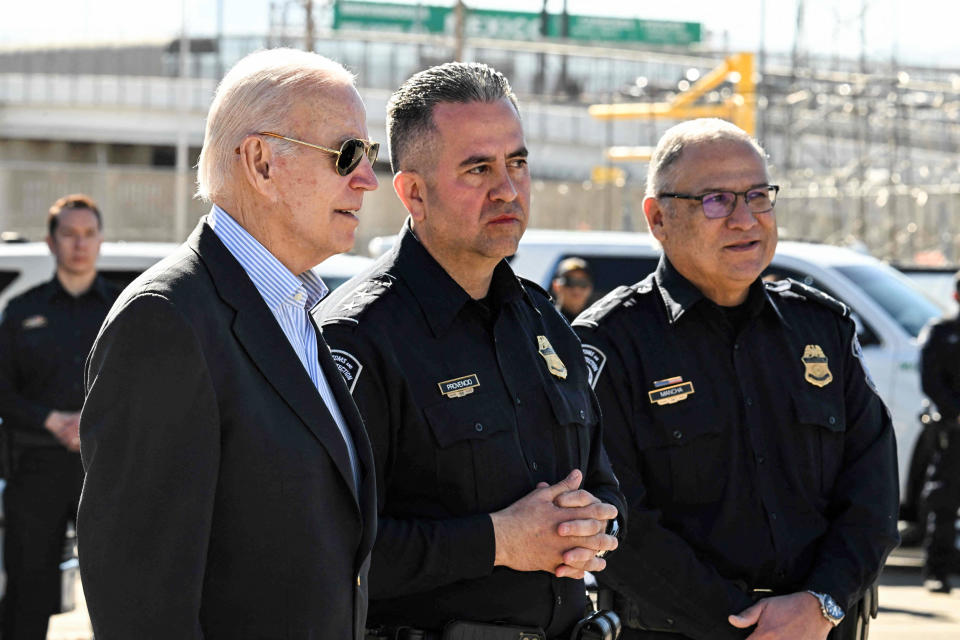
pixel 758 462
pixel 44 338
pixel 940 378
pixel 495 494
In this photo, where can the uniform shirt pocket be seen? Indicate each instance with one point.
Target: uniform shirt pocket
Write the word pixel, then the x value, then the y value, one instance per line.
pixel 687 449
pixel 475 438
pixel 818 436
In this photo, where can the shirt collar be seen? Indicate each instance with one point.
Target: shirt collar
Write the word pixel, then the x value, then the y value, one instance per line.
pixel 274 281
pixel 439 295
pixel 98 288
pixel 679 294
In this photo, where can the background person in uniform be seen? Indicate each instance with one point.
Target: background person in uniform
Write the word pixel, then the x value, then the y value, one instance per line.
pixel 940 377
pixel 229 489
pixel 758 462
pixel 572 287
pixel 494 490
pixel 44 337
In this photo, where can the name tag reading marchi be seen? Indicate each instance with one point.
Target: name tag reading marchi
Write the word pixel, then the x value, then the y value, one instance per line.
pixel 670 390
pixel 458 387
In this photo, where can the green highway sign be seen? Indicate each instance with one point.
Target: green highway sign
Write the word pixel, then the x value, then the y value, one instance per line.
pixel 510 25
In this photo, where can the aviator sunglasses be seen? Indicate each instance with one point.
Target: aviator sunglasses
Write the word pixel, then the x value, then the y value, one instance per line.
pixel 348 157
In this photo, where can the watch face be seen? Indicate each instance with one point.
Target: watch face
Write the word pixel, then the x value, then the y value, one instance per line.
pixel 833 609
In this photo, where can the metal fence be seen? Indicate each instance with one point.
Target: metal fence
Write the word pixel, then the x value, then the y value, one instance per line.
pixel 905 224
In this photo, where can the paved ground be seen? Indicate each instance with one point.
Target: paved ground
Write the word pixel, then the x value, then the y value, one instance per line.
pixel 907 611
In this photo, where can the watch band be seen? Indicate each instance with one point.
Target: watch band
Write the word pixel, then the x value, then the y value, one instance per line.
pixel 613 529
pixel 828 607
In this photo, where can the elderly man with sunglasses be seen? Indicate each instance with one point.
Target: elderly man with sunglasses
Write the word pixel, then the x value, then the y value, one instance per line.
pixel 757 459
pixel 230 487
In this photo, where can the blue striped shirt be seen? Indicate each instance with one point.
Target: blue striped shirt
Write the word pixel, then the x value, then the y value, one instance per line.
pixel 289 299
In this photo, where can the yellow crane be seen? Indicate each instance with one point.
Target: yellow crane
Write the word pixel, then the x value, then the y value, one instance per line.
pixel 740 108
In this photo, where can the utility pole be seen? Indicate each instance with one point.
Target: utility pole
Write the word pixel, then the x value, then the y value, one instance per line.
pixel 183 149
pixel 308 35
pixel 460 18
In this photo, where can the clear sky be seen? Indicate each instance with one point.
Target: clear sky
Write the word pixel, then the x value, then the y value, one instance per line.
pixel 915 31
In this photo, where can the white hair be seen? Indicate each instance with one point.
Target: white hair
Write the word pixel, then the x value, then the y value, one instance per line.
pixel 692 132
pixel 257 94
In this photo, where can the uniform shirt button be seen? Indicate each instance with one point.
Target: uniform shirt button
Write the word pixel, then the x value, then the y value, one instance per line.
pixel 583 414
pixel 518 401
pixel 773 516
pixel 736 346
pixel 678 434
pixel 833 420
pixel 478 427
pixel 669 622
pixel 761 459
pixel 533 465
pixel 749 402
pixel 559 600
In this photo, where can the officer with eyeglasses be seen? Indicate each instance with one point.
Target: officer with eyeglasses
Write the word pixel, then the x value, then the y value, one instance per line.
pixel 757 459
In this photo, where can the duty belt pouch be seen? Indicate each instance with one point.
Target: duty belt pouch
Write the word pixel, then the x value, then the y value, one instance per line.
pixel 460 630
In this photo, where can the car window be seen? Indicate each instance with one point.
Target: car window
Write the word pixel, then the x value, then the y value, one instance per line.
pixel 901 299
pixel 609 272
pixel 865 333
pixel 7 276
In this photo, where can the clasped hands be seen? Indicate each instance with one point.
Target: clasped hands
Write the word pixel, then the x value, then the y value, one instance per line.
pixel 558 528
pixel 65 426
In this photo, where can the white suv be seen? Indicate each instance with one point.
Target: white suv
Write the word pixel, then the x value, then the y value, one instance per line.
pixel 889 309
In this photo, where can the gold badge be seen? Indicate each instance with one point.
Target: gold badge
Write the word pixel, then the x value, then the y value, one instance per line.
pixel 458 387
pixel 554 363
pixel 815 360
pixel 670 390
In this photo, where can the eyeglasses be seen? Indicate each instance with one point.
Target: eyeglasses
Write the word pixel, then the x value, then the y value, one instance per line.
pixel 579 283
pixel 348 157
pixel 720 204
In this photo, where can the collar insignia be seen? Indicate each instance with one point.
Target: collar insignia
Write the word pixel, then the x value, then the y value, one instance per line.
pixel 34 322
pixel 554 363
pixel 815 361
pixel 462 386
pixel 670 390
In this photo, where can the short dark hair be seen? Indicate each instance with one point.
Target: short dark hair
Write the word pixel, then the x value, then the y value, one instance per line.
pixel 410 110
pixel 67 203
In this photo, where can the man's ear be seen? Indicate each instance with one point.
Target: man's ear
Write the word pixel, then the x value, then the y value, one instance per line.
pixel 654 214
pixel 411 189
pixel 51 244
pixel 256 162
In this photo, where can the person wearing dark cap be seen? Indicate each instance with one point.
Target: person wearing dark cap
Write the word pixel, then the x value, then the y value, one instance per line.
pixel 572 287
pixel 940 378
pixel 44 338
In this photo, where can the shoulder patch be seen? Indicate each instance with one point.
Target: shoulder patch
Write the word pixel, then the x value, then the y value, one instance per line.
pixel 595 360
pixel 798 289
pixel 622 296
pixel 350 308
pixel 348 365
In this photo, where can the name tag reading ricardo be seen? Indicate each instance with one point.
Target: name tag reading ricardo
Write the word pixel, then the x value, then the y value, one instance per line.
pixel 459 386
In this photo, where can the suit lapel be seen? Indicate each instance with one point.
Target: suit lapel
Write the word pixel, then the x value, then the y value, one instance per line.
pixel 365 467
pixel 264 341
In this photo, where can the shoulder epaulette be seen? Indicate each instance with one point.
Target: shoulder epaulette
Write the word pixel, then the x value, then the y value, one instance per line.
pixel 622 296
pixel 530 284
pixel 792 288
pixel 349 308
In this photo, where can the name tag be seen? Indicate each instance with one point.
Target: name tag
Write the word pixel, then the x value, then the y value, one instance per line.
pixel 459 386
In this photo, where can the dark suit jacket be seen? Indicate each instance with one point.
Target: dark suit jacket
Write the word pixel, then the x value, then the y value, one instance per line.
pixel 219 500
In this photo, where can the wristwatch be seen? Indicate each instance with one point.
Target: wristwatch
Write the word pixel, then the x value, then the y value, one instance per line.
pixel 613 529
pixel 828 607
